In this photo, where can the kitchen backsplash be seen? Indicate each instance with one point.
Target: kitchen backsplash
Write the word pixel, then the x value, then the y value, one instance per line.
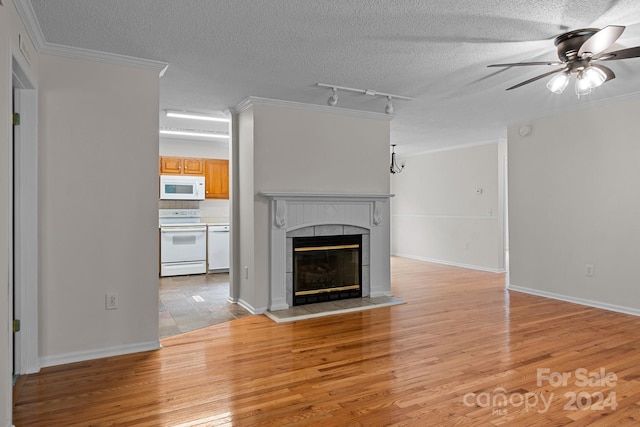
pixel 211 211
pixel 179 204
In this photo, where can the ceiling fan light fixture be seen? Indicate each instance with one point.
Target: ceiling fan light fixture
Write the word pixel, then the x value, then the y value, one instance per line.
pixel 558 83
pixel 594 76
pixel 582 85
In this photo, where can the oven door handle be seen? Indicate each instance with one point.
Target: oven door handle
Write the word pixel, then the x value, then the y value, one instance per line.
pixel 181 229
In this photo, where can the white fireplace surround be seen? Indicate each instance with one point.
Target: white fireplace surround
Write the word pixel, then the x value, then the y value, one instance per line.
pixel 293 211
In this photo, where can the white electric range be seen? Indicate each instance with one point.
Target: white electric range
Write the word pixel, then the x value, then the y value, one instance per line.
pixel 183 242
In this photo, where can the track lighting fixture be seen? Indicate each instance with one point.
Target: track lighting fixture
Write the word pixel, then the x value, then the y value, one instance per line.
pixel 333 99
pixel 394 168
pixel 389 107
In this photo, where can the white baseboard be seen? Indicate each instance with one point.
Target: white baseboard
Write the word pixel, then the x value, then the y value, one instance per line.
pixel 452 263
pixel 250 308
pixel 575 300
pixel 80 356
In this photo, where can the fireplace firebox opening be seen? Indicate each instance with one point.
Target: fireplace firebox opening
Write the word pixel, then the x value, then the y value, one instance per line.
pixel 327 268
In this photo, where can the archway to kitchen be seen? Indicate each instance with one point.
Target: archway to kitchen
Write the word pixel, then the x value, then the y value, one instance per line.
pixel 195 284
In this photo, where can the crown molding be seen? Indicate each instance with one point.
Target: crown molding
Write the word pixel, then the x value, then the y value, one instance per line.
pixel 109 58
pixel 252 101
pixel 27 14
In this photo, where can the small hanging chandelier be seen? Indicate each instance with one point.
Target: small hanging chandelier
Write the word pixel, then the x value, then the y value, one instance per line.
pixel 394 168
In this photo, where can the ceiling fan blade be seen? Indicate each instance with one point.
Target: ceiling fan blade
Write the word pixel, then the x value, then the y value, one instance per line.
pixel 601 40
pixel 518 64
pixel 537 78
pixel 632 52
pixel 606 70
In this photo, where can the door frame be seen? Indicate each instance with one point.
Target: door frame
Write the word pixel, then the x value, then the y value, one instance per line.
pixel 24 213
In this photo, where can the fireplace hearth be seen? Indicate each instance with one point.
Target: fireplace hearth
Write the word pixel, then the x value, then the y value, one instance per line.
pixel 327 268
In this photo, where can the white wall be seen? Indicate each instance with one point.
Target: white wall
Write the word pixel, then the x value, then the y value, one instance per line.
pixel 573 200
pixel 438 215
pixel 98 208
pixel 243 210
pixel 289 149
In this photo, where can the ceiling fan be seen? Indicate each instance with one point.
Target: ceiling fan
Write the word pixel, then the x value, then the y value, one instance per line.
pixel 579 51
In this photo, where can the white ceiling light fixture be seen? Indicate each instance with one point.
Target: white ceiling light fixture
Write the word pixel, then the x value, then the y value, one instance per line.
pixel 582 85
pixel 194 116
pixel 333 99
pixel 558 83
pixel 594 76
pixel 191 132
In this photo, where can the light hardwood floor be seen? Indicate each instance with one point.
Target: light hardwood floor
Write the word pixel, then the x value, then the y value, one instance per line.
pixel 461 351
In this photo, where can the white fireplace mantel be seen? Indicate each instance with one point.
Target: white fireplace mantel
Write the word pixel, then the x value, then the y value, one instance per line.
pixel 293 210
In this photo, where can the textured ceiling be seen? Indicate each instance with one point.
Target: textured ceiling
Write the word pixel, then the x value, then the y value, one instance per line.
pixel 436 51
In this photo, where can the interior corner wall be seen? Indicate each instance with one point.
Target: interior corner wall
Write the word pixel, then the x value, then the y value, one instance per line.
pixel 448 208
pixel 98 208
pixel 301 150
pixel 573 202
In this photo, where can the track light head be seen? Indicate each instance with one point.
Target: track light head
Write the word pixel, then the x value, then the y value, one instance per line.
pixel 333 99
pixel 389 107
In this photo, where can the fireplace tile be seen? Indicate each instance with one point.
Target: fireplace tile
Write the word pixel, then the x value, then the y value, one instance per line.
pixel 289 289
pixel 322 307
pixel 366 284
pixel 353 302
pixel 329 230
pixel 350 229
pixel 301 232
pixel 289 266
pixel 365 250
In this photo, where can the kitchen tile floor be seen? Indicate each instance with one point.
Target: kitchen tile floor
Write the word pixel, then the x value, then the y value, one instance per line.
pixel 194 302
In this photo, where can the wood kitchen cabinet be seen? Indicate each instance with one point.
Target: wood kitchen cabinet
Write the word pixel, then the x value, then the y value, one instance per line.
pixel 181 166
pixel 216 179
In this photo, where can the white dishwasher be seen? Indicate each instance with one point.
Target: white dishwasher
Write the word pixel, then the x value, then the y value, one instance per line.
pixel 218 247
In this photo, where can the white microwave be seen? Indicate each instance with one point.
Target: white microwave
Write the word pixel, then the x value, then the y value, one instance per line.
pixel 181 187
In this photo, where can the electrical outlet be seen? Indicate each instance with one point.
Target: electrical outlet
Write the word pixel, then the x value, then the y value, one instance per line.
pixel 111 301
pixel 246 272
pixel 588 270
